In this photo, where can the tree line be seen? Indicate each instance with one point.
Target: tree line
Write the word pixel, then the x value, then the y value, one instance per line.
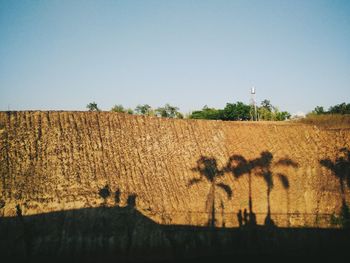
pixel 167 111
pixel 238 111
pixel 342 108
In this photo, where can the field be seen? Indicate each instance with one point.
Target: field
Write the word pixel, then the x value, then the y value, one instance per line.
pixel 182 174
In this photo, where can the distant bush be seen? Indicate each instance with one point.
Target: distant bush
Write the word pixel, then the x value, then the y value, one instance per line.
pixel 92 106
pixel 129 111
pixel 207 114
pixel 342 108
pixel 168 111
pixel 144 109
pixel 118 108
pixel 179 115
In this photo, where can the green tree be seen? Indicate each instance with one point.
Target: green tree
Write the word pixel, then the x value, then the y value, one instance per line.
pixel 129 111
pixel 172 110
pixel 264 114
pixel 237 111
pixel 207 113
pixel 118 108
pixel 168 111
pixel 318 110
pixel 281 116
pixel 240 111
pixel 277 115
pixel 162 112
pixel 268 112
pixel 267 105
pixel 265 110
pixel 342 108
pixel 92 106
pixel 144 109
pixel 179 115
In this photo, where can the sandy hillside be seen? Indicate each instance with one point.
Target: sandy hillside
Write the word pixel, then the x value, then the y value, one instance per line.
pixel 179 171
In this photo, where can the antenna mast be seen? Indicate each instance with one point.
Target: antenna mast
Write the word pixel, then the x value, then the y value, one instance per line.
pixel 252 92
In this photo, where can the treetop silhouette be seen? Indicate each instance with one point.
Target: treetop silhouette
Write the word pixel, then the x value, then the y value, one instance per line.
pixel 209 172
pixel 340 168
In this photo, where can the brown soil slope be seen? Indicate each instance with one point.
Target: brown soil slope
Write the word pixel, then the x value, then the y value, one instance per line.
pixel 177 171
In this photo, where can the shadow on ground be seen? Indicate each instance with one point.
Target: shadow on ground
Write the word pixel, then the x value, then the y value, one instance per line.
pixel 123 234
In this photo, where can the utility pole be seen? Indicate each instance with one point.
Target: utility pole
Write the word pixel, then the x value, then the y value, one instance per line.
pixel 252 93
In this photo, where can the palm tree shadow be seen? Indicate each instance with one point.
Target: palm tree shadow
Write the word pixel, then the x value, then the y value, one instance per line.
pixel 261 166
pixel 264 165
pixel 340 168
pixel 209 172
pixel 239 166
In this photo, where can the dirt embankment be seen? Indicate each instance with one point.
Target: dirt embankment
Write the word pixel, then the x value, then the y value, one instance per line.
pixel 175 172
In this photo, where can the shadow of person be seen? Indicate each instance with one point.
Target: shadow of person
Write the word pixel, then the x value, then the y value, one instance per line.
pixel 131 201
pixel 19 211
pixel 252 219
pixel 117 196
pixel 104 193
pixel 240 218
pixel 245 217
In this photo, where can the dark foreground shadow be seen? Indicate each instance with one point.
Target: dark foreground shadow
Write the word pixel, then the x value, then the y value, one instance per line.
pixel 123 234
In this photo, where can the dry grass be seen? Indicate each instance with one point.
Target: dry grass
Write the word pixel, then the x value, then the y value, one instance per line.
pixel 328 121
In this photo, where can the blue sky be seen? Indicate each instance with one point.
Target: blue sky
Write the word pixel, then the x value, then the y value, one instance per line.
pixel 61 55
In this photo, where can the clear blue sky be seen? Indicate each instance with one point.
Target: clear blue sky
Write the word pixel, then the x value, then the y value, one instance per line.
pixel 65 54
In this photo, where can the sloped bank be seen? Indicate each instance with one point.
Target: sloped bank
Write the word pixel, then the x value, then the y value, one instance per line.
pixel 189 178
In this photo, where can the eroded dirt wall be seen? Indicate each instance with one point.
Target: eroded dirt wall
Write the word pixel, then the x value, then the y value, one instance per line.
pixel 56 161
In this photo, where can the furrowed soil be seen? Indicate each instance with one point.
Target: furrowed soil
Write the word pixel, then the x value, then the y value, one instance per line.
pixel 55 163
